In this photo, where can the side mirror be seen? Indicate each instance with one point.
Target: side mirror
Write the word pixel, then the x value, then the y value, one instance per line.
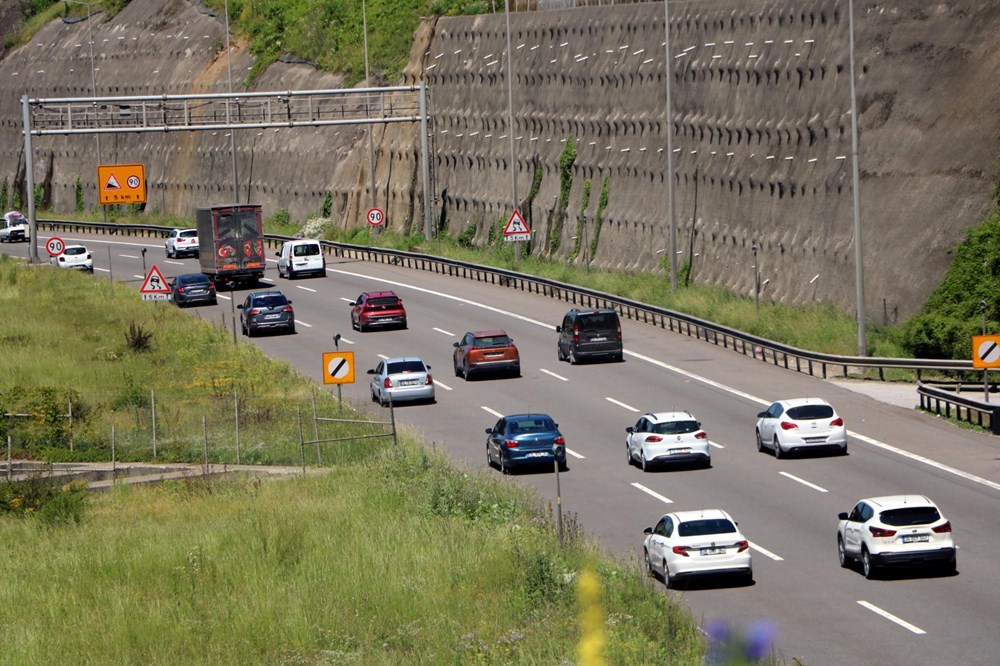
pixel 558 329
pixel 277 254
pixel 489 431
pixel 371 371
pixel 427 366
pixel 630 429
pixel 239 307
pixel 842 515
pixel 648 530
pixel 456 344
pixel 289 301
pixel 352 303
pixel 762 415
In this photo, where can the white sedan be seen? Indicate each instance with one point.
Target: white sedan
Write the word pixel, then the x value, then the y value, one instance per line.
pixel 706 542
pixel 800 423
pixel 76 257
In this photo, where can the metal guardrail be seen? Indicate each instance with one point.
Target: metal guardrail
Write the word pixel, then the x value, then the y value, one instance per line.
pixel 944 398
pixel 769 351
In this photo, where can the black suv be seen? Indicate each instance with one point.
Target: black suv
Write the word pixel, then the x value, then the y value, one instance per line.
pixel 586 334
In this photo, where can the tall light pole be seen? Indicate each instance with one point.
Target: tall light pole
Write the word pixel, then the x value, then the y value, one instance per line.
pixel 670 152
pixel 510 125
pixel 756 280
pixel 859 271
pixel 232 130
pixel 368 84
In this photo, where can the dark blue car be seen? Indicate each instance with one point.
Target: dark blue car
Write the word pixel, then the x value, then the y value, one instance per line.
pixel 525 439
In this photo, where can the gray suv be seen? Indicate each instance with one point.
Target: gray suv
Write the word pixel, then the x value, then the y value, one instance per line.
pixel 590 334
pixel 266 311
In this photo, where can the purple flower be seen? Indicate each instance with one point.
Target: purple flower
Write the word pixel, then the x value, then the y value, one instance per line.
pixel 760 640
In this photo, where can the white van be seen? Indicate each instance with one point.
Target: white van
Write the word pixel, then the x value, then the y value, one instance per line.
pixel 301 257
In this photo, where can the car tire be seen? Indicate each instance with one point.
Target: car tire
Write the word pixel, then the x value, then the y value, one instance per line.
pixel 559 353
pixel 951 568
pixel 648 564
pixel 563 467
pixel 748 578
pixel 291 273
pixel 169 254
pixel 382 401
pixel 619 358
pixel 516 372
pixel 291 330
pixel 215 301
pixel 707 464
pixel 843 450
pixel 489 458
pixel 571 356
pixel 668 581
pixel 628 456
pixel 867 566
pixel 845 559
pixel 760 444
pixel 643 463
pixel 374 399
pixel 504 469
pixel 455 364
pixel 779 453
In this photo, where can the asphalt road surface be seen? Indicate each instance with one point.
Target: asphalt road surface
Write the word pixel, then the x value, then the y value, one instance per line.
pixel 822 614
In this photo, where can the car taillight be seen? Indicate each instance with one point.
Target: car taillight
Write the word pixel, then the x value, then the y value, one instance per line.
pixel 561 441
pixel 254 311
pixel 879 532
pixel 386 383
pixel 788 425
pixel 943 529
pixel 62 259
pixel 510 444
pixel 654 438
pixel 701 434
pixel 430 380
pixel 576 332
pixel 619 332
pixel 741 546
pixel 180 290
pixel 681 550
pixel 837 422
pixel 88 255
pixel 287 308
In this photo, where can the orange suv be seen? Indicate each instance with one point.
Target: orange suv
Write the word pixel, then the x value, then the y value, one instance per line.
pixel 375 309
pixel 486 351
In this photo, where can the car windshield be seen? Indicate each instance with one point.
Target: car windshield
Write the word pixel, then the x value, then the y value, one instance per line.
pixel 675 427
pixel 910 515
pixel 71 250
pixel 533 424
pixel 808 412
pixel 308 250
pixel 598 322
pixel 706 526
pixel 193 233
pixel 383 302
pixel 405 366
pixel 270 301
pixel 491 341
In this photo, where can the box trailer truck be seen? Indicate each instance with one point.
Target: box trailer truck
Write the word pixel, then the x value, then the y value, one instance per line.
pixel 231 243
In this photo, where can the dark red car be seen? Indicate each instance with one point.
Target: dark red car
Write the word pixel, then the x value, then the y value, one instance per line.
pixel 378 309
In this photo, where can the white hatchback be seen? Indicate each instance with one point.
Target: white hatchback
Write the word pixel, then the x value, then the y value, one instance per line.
pixel 182 242
pixel 800 423
pixel 706 542
pixel 895 530
pixel 667 437
pixel 76 257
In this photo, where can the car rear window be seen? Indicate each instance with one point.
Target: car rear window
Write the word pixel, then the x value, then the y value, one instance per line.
pixel 706 526
pixel 676 427
pixel 269 301
pixel 911 515
pixel 75 250
pixel 405 366
pixel 807 412
pixel 491 341
pixel 309 250
pixel 193 233
pixel 383 302
pixel 599 322
pixel 535 424
pixel 195 278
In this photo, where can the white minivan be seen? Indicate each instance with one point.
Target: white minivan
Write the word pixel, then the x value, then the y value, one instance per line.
pixel 301 257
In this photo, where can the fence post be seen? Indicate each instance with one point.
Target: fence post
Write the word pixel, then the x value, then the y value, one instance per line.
pixel 204 435
pixel 10 451
pixel 392 420
pixel 114 460
pixel 995 420
pixel 69 402
pixel 319 458
pixel 236 409
pixel 302 446
pixel 152 405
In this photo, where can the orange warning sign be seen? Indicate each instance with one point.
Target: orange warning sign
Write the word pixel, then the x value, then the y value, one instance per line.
pixel 121 183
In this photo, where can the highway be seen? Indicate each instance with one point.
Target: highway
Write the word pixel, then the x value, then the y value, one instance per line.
pixel 822 614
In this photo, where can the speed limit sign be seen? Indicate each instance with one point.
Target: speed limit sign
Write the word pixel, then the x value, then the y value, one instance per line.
pixel 55 246
pixel 376 217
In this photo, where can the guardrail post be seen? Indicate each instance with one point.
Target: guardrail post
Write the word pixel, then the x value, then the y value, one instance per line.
pixel 995 420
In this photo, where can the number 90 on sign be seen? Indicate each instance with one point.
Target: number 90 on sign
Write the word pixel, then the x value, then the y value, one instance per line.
pixel 55 246
pixel 376 217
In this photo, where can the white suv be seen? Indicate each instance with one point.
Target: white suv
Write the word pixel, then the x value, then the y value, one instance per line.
pixel 667 437
pixel 899 530
pixel 181 242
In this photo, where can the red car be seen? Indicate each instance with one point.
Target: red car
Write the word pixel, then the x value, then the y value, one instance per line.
pixel 483 352
pixel 377 309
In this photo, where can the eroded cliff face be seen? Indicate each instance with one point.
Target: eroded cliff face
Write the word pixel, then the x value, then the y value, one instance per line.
pixel 762 141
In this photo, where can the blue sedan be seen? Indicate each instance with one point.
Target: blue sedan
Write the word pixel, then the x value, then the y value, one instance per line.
pixel 525 439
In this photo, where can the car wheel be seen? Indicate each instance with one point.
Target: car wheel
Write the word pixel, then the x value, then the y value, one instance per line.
pixel 563 467
pixel 845 560
pixel 760 444
pixel 778 451
pixel 291 273
pixel 707 464
pixel 559 353
pixel 455 364
pixel 374 399
pixel 668 581
pixel 643 463
pixel 748 578
pixel 215 301
pixel 867 566
pixel 516 372
pixel 489 458
pixel 951 568
pixel 843 450
pixel 619 357
pixel 628 455
pixel 291 330
pixel 169 255
pixel 502 464
pixel 648 565
pixel 382 400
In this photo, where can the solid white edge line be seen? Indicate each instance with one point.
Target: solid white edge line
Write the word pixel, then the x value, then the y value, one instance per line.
pixel 889 616
pixel 552 374
pixel 345 340
pixel 175 263
pixel 491 411
pixel 128 256
pixel 574 454
pixel 228 298
pixel 103 270
pixel 765 551
pixel 621 404
pixel 441 330
pixel 298 321
pixel 299 286
pixel 346 300
pixel 652 493
pixel 139 276
pixel 804 482
pixel 444 386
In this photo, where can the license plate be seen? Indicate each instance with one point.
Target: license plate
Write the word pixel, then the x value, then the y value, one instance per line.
pixel 919 538
pixel 598 339
pixel 272 316
pixel 713 551
pixel 408 382
pixel 684 450
pixel 536 454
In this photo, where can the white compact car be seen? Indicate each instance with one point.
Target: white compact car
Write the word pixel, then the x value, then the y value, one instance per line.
pixel 301 257
pixel 76 257
pixel 182 242
pixel 397 380
pixel 800 423
pixel 685 544
pixel 667 437
pixel 895 530
pixel 13 227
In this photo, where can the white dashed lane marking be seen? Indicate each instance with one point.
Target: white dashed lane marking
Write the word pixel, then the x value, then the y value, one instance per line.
pixel 552 374
pixel 803 482
pixel 621 404
pixel 889 616
pixel 652 493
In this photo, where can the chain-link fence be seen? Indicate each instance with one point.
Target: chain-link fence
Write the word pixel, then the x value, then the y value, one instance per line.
pixel 292 427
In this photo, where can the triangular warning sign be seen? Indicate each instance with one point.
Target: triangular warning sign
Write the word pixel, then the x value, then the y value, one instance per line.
pixel 112 183
pixel 154 283
pixel 516 226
